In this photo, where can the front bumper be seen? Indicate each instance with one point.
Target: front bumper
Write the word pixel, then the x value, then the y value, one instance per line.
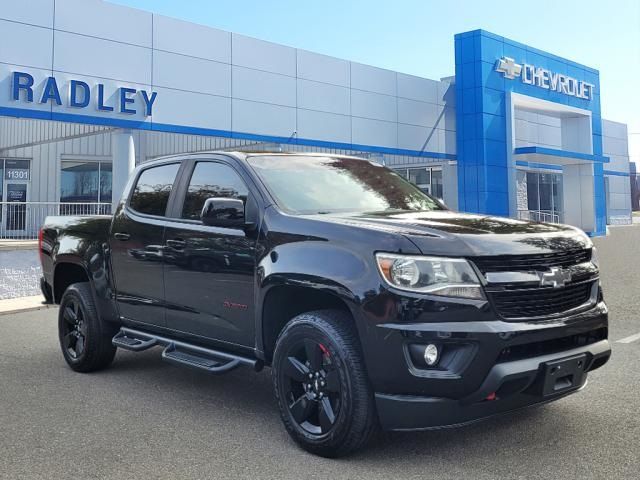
pixel 508 387
pixel 481 355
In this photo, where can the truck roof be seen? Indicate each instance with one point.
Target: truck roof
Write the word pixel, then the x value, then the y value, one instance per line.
pixel 243 155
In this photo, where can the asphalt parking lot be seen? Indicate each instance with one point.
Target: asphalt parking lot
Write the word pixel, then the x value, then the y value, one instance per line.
pixel 20 273
pixel 143 418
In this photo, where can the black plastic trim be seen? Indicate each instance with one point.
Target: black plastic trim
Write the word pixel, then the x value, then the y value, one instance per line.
pixel 227 361
pixel 410 412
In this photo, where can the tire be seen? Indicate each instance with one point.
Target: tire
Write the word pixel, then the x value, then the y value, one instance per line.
pixel 46 291
pixel 333 413
pixel 85 340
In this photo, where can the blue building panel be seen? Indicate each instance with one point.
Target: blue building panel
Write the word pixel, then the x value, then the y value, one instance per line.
pixel 489 101
pixel 597 143
pixel 494 152
pixel 561 153
pixel 484 73
pixel 494 127
pixel 496 179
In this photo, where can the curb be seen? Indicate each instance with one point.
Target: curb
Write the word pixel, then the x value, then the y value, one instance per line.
pixel 23 304
pixel 9 247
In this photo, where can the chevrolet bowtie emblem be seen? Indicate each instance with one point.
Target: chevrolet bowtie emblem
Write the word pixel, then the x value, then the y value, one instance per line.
pixel 556 277
pixel 508 67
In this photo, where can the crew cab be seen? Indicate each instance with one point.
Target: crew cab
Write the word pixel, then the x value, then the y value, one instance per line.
pixel 373 304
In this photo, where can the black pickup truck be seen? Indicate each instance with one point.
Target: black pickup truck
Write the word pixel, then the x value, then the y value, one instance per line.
pixel 373 304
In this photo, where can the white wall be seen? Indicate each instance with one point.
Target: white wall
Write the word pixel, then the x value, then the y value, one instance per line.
pixel 212 79
pixel 578 184
pixel 615 146
pixel 536 129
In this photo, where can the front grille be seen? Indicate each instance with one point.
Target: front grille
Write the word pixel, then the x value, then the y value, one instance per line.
pixel 540 302
pixel 538 262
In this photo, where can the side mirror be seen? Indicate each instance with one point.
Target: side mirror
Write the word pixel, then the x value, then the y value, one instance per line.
pixel 223 212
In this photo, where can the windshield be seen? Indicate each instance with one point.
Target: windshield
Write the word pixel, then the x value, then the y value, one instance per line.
pixel 310 185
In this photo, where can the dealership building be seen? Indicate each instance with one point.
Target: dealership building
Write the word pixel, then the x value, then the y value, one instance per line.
pixel 89 88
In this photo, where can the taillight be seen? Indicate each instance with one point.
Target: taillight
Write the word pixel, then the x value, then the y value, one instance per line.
pixel 40 235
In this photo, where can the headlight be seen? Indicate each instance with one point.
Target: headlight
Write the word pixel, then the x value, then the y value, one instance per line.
pixel 452 277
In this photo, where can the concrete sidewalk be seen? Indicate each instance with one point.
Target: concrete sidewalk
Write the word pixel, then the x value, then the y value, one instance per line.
pixel 23 304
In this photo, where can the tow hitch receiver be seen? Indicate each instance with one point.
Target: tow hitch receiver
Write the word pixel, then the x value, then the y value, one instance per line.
pixel 564 374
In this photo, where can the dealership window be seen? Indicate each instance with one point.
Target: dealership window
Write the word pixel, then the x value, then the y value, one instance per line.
pixel 208 180
pixel 427 179
pixel 84 181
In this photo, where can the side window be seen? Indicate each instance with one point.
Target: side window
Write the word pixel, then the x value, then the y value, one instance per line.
pixel 151 193
pixel 208 180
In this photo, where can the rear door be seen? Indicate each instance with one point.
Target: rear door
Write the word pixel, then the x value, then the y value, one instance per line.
pixel 136 241
pixel 209 271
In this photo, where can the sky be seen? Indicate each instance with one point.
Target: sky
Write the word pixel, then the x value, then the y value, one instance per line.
pixel 416 36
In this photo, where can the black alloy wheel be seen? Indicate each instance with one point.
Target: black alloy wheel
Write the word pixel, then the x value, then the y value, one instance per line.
pixel 74 329
pixel 313 392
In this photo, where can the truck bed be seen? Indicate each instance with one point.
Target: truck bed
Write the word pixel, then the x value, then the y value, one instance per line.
pixel 73 238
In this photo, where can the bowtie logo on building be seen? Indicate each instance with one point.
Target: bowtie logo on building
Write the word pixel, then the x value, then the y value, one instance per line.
pixel 509 68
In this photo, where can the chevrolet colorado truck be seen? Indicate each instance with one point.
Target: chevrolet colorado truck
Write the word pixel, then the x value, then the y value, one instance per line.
pixel 374 305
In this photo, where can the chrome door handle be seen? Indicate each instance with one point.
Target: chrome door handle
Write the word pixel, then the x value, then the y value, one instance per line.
pixel 122 236
pixel 177 243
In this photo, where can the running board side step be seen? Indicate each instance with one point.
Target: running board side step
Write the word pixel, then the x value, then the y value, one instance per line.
pixel 182 353
pixel 197 360
pixel 134 341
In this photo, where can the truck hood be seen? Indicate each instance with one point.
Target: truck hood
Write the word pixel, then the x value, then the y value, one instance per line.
pixel 460 234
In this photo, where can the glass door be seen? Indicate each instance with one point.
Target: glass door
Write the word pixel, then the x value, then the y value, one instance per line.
pixel 14 194
pixel 16 207
pixel 544 196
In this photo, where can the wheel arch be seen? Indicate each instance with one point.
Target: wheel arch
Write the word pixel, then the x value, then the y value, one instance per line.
pixel 283 302
pixel 67 273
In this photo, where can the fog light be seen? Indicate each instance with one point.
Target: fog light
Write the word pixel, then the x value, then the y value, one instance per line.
pixel 431 354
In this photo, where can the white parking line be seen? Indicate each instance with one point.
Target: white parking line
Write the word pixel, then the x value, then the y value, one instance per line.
pixel 629 339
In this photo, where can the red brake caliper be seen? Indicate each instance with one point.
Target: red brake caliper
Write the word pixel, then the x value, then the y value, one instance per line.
pixel 324 349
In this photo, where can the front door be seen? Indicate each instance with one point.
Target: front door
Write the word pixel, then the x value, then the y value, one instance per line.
pixel 14 193
pixel 544 196
pixel 209 271
pixel 136 242
pixel 15 214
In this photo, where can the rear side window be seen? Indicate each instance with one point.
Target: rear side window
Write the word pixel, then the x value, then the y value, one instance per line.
pixel 151 193
pixel 208 180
